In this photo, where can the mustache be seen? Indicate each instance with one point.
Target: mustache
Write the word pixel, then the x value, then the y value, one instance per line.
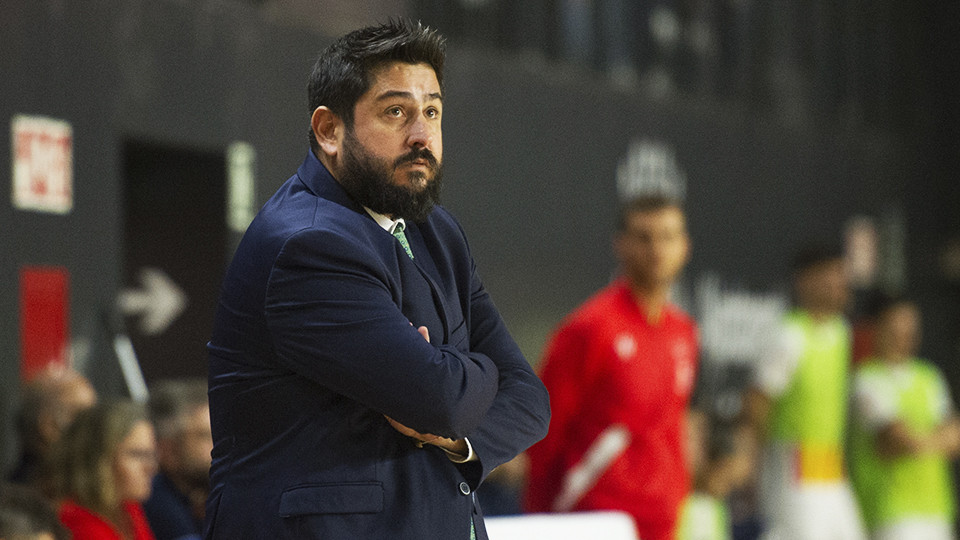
pixel 417 154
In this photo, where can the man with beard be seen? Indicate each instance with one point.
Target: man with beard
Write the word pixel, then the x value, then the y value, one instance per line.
pixel 181 418
pixel 362 383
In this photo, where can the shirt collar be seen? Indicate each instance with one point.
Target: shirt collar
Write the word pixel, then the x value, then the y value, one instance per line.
pixel 385 222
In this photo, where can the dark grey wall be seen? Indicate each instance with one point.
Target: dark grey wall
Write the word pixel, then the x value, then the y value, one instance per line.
pixel 532 159
pixel 185 74
pixel 531 156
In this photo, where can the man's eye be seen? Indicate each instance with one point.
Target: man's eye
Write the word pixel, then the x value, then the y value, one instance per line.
pixel 395 111
pixel 433 113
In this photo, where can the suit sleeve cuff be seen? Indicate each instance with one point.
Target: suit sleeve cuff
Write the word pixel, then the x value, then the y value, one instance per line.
pixel 459 458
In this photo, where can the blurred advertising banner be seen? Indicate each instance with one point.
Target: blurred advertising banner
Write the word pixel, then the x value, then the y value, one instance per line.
pixel 42 164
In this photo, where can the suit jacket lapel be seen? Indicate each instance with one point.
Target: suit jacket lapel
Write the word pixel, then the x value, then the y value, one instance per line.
pixel 319 181
pixel 423 260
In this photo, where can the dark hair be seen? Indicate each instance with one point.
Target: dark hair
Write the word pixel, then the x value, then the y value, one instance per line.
pixel 884 303
pixel 342 72
pixel 642 204
pixel 172 400
pixel 814 254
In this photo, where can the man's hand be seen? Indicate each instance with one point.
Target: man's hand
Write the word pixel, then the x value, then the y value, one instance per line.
pixel 423 332
pixel 948 437
pixel 421 438
pixel 457 447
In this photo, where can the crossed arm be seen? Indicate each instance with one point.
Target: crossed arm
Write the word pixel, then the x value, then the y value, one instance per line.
pixel 334 317
pixel 455 447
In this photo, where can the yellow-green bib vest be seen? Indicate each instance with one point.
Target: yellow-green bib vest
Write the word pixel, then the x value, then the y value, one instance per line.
pixel 907 486
pixel 811 414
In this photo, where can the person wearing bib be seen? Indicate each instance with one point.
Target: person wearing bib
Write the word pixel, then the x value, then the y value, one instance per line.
pixel 905 433
pixel 798 408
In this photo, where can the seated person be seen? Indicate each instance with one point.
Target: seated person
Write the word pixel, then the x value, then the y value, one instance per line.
pixel 104 465
pixel 181 417
pixel 48 403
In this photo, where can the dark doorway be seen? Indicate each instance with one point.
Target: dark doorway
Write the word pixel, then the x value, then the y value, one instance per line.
pixel 174 239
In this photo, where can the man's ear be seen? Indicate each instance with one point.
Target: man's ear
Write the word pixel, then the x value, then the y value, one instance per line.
pixel 328 130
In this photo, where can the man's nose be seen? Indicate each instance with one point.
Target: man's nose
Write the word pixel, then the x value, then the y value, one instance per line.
pixel 420 134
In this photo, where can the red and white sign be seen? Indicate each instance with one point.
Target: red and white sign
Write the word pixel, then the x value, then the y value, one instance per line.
pixel 42 164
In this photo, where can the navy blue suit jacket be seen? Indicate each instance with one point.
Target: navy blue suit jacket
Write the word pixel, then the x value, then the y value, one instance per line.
pixel 313 344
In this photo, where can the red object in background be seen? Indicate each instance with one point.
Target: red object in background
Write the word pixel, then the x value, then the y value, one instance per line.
pixel 44 317
pixel 863 341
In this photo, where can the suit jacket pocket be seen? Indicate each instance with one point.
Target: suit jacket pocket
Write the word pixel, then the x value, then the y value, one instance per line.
pixel 347 498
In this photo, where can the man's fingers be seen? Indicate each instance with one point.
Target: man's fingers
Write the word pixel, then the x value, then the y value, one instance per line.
pixel 424 332
pixel 404 430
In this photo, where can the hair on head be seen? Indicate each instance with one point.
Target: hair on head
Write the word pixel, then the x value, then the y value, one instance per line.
pixel 814 254
pixel 83 460
pixel 644 203
pixel 343 72
pixel 883 303
pixel 172 400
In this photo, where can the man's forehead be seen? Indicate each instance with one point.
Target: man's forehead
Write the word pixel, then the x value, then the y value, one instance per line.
pixel 385 77
pixel 665 214
pixel 388 95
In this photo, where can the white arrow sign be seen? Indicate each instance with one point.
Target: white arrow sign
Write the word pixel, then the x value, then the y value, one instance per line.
pixel 159 302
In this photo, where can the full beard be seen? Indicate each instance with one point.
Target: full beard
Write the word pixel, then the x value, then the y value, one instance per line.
pixel 369 181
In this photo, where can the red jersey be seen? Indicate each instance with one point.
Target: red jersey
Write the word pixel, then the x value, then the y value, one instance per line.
pixel 84 524
pixel 619 392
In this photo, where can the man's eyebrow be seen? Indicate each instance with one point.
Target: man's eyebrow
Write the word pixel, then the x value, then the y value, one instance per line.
pixel 406 95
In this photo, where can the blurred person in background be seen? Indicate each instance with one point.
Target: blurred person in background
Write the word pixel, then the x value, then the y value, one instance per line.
pixel 105 463
pixel 798 406
pixel 906 431
pixel 722 458
pixel 181 417
pixel 620 371
pixel 26 514
pixel 48 404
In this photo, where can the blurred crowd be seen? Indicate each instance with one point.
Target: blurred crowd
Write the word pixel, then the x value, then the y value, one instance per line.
pixel 93 467
pixel 827 444
pixel 842 431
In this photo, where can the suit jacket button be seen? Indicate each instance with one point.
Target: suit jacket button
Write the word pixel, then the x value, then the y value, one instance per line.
pixel 464 488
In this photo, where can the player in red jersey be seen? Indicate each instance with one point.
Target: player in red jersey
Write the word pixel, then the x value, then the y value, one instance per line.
pixel 620 370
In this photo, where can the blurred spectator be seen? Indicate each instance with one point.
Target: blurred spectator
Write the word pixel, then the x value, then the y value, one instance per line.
pixel 105 462
pixel 48 404
pixel 181 415
pixel 722 459
pixel 25 514
pixel 906 432
pixel 799 405
pixel 620 371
